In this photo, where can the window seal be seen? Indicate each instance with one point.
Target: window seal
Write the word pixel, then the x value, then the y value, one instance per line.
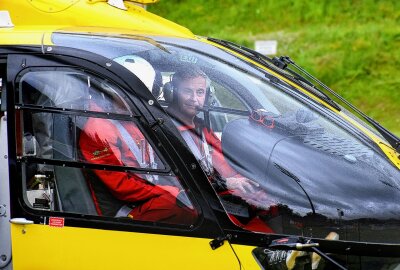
pixel 87 165
pixel 75 112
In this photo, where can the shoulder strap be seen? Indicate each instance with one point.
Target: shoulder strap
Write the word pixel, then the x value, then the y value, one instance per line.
pixel 192 145
pixel 134 148
pixel 205 158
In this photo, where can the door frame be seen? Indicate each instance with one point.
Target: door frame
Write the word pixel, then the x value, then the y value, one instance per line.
pixel 32 57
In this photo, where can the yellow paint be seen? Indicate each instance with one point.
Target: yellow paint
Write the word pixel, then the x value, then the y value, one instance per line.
pixel 55 7
pixel 44 247
pixel 391 153
pixel 89 13
pixel 246 257
pixel 27 35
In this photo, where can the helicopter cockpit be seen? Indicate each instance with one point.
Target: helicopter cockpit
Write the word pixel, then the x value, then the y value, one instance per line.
pixel 310 169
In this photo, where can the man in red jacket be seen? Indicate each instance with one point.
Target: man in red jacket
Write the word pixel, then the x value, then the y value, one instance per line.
pixel 126 194
pixel 190 87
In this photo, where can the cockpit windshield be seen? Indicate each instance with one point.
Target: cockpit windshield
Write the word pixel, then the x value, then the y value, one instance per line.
pixel 278 161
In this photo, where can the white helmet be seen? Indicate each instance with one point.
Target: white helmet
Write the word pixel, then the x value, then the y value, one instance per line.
pixel 140 67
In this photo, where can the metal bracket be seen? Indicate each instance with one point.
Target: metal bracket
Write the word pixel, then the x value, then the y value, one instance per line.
pixel 279 63
pixel 218 242
pixel 156 123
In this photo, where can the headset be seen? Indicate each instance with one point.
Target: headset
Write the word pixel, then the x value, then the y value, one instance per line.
pixel 170 88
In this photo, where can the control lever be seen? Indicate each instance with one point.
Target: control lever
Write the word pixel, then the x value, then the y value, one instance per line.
pixel 296 243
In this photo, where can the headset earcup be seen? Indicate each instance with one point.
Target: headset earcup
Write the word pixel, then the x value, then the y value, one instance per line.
pixel 168 90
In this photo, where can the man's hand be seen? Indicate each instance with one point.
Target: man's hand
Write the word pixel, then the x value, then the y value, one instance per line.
pixel 242 184
pixel 249 191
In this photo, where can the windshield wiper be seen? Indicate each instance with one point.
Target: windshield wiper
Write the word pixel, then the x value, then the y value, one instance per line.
pixel 256 56
pixel 278 67
pixel 393 140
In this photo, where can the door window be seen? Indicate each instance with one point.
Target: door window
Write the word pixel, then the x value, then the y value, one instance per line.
pixel 83 151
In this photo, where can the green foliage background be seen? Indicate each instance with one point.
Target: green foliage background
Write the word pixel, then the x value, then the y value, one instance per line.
pixel 352 46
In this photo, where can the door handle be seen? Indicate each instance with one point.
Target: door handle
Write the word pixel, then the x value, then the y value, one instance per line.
pixel 21 221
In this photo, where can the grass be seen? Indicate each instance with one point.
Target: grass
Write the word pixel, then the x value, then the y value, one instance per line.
pixel 352 46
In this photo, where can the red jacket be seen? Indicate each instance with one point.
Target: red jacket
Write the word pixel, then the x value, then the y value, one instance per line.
pixel 218 160
pixel 101 143
pixel 222 167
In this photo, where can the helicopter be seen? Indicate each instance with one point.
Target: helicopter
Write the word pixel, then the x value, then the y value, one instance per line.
pixel 325 177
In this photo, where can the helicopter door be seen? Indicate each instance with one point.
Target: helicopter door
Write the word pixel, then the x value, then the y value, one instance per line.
pixel 74 129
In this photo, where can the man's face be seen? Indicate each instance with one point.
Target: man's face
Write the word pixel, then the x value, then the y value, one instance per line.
pixel 191 95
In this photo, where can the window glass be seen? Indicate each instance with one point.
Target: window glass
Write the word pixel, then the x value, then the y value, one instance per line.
pixel 78 160
pixel 272 157
pixel 69 89
pixel 278 161
pixel 82 191
pixel 87 139
pixel 309 168
pixel 222 97
pixel 218 121
pixel 103 140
